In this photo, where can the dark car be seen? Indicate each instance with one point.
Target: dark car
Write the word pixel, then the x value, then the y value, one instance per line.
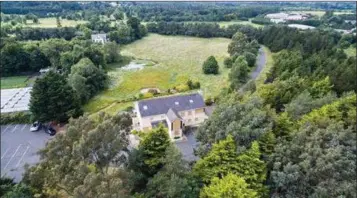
pixel 50 131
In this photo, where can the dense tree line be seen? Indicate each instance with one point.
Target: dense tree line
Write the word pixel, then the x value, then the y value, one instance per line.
pixel 205 30
pixel 20 57
pixel 182 11
pixel 66 33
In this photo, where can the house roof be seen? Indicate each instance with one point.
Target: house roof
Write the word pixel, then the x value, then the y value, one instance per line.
pixel 99 36
pixel 172 115
pixel 178 103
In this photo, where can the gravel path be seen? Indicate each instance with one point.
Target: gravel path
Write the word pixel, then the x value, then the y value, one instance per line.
pixel 261 62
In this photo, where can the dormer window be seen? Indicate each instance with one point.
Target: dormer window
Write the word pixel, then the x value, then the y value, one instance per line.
pixel 191 101
pixel 145 107
pixel 177 103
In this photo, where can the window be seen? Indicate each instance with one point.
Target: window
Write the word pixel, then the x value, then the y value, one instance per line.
pixel 189 112
pixel 182 113
pixel 189 120
pixel 196 119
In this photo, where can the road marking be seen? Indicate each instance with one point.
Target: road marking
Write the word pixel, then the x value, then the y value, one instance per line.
pixel 13 130
pixel 23 127
pixel 5 129
pixel 18 163
pixel 5 153
pixel 12 156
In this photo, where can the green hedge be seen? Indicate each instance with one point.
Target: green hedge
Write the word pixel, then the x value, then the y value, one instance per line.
pixel 15 118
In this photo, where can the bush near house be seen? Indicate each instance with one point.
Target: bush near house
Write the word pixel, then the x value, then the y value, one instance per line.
pixel 15 118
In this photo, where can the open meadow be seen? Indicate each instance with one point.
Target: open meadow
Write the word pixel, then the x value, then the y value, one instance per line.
pixel 172 61
pixel 52 23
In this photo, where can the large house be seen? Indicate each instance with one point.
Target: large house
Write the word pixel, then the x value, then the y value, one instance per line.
pixel 99 38
pixel 174 112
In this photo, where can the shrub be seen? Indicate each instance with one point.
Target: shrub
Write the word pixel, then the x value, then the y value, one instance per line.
pixel 193 85
pixel 153 91
pixel 15 118
pixel 182 88
pixel 196 85
pixel 228 62
pixel 210 66
pixel 208 101
pixel 148 95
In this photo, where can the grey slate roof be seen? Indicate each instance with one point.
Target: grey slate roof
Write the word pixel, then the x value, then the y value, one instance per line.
pixel 162 105
pixel 172 115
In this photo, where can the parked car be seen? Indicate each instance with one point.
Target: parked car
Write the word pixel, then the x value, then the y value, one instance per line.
pixel 36 126
pixel 50 131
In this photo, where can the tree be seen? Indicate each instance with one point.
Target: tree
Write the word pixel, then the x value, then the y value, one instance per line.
pixel 246 121
pixel 210 66
pixel 174 179
pixel 239 73
pixel 147 160
pixel 230 186
pixel 89 165
pixel 96 55
pixel 228 62
pixel 307 165
pixel 58 21
pixel 238 44
pixel 111 52
pixel 87 79
pixel 250 58
pixel 224 159
pixel 14 59
pixel 35 20
pixel 52 99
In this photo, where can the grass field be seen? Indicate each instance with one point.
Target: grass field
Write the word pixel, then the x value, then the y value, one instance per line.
pixel 52 23
pixel 176 58
pixel 351 51
pixel 13 82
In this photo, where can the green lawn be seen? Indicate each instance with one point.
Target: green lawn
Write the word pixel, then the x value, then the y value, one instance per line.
pixel 52 23
pixel 351 51
pixel 173 60
pixel 13 82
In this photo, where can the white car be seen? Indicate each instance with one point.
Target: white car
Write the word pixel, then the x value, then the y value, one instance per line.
pixel 35 126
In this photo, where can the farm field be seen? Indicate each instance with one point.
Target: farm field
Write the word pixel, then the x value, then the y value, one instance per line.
pixel 13 82
pixel 52 23
pixel 172 61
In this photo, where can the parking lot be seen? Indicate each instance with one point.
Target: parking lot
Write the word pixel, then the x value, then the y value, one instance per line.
pixel 18 147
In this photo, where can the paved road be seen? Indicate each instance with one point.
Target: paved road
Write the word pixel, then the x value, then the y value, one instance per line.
pixel 18 147
pixel 188 146
pixel 261 62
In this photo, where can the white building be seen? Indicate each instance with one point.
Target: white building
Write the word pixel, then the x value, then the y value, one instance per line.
pixel 174 112
pixel 99 38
